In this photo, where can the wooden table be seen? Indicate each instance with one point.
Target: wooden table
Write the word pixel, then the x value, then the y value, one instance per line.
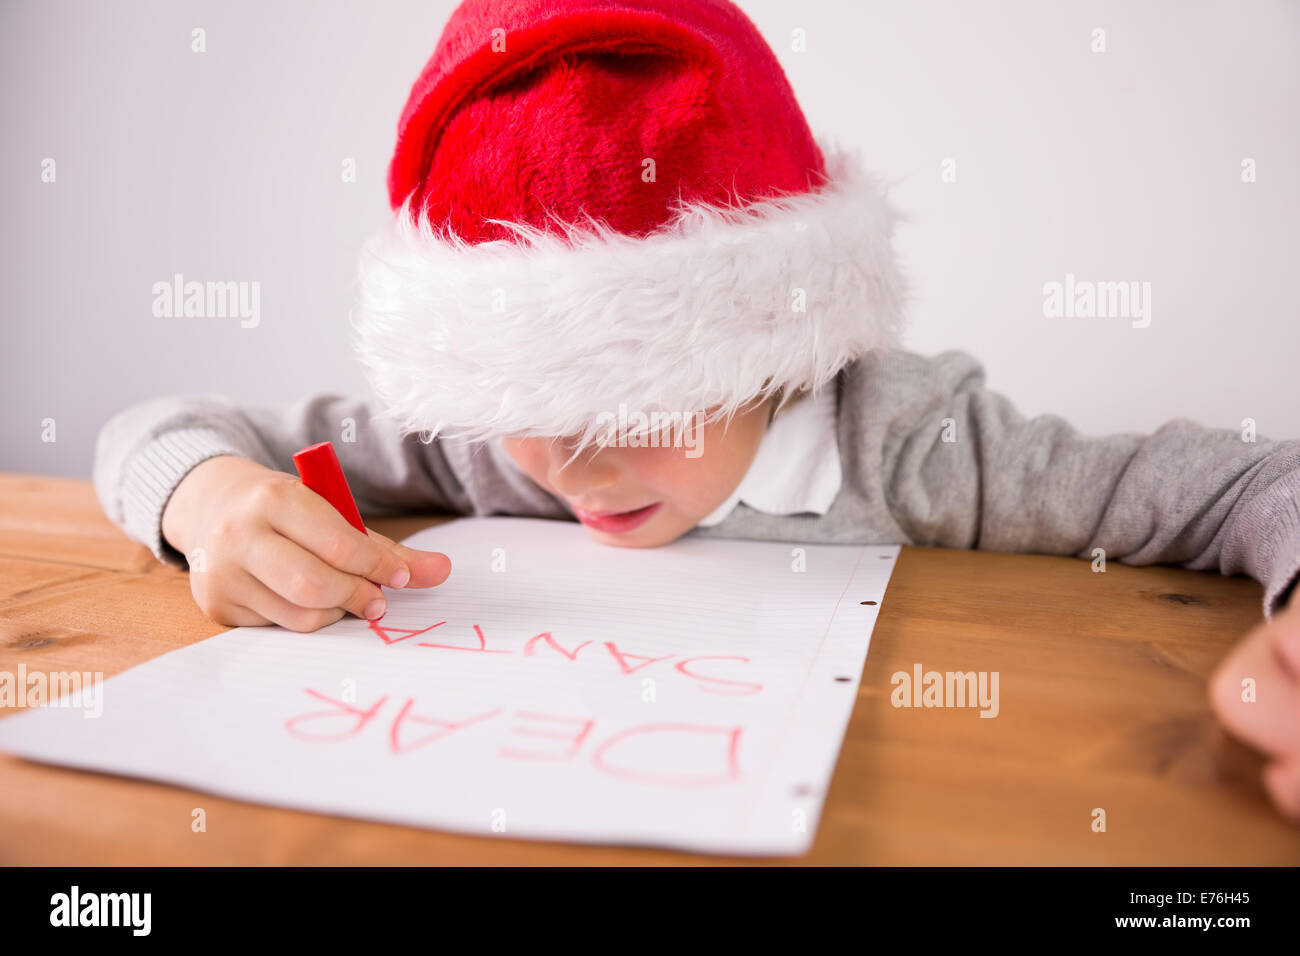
pixel 1103 704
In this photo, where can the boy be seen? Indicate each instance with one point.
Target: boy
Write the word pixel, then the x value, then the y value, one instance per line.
pixel 604 207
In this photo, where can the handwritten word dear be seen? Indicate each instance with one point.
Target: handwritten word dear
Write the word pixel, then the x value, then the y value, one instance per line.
pixel 697 755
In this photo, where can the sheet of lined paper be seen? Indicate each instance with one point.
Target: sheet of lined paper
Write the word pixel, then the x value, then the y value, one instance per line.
pixel 691 696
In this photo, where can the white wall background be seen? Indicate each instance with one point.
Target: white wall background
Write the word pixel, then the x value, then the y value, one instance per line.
pixel 226 165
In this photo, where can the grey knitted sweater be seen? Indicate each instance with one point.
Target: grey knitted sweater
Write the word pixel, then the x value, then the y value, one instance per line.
pixel 930 456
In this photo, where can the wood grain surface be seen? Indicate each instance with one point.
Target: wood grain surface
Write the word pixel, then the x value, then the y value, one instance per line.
pixel 1102 704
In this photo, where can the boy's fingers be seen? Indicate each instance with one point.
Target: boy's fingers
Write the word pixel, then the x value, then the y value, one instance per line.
pixel 260 599
pixel 308 519
pixel 1282 781
pixel 1256 698
pixel 428 568
pixel 236 615
pixel 1285 634
pixel 305 581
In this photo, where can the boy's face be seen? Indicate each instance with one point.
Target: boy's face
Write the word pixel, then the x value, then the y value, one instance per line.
pixel 645 497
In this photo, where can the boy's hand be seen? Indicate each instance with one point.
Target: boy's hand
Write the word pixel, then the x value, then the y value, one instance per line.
pixel 266 549
pixel 1270 657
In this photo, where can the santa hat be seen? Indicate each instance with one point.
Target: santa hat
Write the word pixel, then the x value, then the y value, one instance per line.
pixel 614 202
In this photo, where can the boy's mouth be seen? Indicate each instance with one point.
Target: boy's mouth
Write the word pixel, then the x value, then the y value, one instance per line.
pixel 619 522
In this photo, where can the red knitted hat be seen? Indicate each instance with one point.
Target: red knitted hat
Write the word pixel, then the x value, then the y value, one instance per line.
pixel 605 202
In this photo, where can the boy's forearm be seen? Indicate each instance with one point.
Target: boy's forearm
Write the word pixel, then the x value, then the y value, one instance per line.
pixel 1186 494
pixel 146 451
pixel 1264 541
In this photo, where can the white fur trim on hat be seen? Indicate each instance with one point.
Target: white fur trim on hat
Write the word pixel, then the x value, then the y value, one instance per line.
pixel 538 337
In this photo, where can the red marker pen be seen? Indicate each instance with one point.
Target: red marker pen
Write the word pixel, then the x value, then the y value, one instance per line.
pixel 318 466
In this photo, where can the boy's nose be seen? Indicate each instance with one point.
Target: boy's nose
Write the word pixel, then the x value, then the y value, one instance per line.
pixel 588 471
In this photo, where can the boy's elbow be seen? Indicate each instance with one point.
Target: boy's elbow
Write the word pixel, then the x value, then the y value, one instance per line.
pixel 112 445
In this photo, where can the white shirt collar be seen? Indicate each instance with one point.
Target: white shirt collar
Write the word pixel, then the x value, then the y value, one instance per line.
pixel 797 468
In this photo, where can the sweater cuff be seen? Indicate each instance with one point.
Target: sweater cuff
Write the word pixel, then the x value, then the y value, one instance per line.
pixel 1281 551
pixel 153 474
